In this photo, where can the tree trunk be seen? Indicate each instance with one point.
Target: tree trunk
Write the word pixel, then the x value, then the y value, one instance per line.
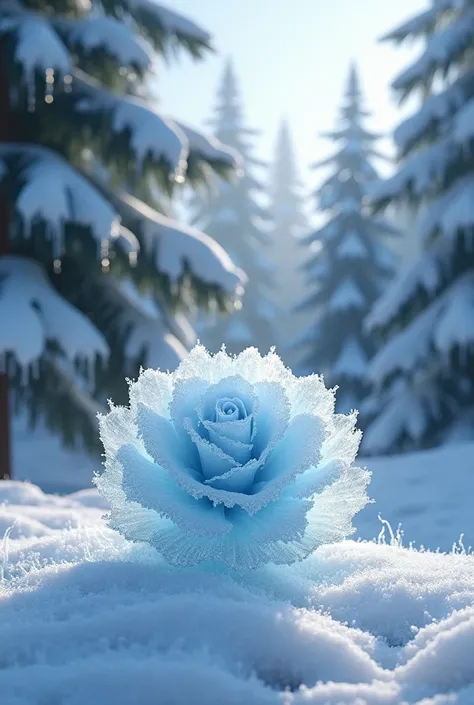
pixel 5 136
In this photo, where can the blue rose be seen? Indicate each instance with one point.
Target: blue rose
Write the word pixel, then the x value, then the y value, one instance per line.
pixel 231 461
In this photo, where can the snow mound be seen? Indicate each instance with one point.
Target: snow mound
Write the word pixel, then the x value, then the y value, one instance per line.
pixel 88 617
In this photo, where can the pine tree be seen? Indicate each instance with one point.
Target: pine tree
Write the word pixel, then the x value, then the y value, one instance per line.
pixel 233 215
pixel 84 156
pixel 425 371
pixel 353 264
pixel 289 222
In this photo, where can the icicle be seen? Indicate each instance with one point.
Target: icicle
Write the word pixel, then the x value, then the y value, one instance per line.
pixel 132 258
pixel 105 263
pixel 49 86
pixel 67 80
pixel 31 91
pixel 57 266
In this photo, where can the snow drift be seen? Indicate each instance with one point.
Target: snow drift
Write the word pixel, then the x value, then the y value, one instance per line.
pixel 88 617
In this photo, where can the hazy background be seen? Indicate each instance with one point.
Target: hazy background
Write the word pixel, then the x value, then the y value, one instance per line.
pixel 292 58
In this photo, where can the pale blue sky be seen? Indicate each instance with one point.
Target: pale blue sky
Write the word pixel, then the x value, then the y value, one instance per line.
pixel 291 57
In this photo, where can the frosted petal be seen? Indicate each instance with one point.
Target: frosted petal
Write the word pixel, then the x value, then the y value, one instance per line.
pixel 316 479
pixel 298 451
pixel 213 460
pixel 162 442
pixel 235 449
pixel 271 417
pixel 153 389
pixel 242 431
pixel 228 387
pixel 237 479
pixel 153 488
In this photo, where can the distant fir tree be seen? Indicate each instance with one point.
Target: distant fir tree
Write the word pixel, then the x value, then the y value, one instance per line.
pixel 83 156
pixel 425 371
pixel 233 214
pixel 289 222
pixel 352 262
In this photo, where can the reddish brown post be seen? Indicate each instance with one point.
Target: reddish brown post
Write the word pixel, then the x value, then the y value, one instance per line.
pixel 5 136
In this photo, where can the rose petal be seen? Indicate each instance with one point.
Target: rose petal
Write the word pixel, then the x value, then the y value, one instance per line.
pixel 226 388
pixel 235 448
pixel 153 488
pixel 227 410
pixel 316 479
pixel 242 430
pixel 238 479
pixel 185 400
pixel 274 536
pixel 299 449
pixel 153 389
pixel 271 417
pixel 213 460
pixel 163 443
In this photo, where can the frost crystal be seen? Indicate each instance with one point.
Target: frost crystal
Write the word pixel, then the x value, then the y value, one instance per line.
pixel 231 461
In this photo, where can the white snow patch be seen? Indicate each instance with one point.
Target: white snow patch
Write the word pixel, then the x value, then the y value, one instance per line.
pixel 179 245
pixel 116 37
pixel 88 617
pixel 32 313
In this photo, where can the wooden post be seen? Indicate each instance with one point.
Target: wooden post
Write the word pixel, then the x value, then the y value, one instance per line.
pixel 5 136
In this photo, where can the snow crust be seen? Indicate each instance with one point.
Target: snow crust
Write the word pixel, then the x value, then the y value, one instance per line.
pixel 87 617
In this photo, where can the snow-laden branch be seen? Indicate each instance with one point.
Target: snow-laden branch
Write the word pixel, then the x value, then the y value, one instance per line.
pixel 210 150
pixel 37 46
pixel 447 323
pixel 147 328
pixel 113 36
pixel 178 248
pixel 151 135
pixel 442 48
pixel 159 21
pixel 57 194
pixel 32 314
pixel 420 173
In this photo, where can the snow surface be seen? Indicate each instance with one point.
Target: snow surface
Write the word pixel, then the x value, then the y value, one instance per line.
pixel 89 618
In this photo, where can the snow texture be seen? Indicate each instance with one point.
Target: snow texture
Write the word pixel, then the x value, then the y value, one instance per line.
pixel 88 617
pixel 32 314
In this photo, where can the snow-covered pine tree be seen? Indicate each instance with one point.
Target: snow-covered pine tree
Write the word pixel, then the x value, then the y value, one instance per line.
pixel 351 263
pixel 233 215
pixel 289 222
pixel 425 370
pixel 81 148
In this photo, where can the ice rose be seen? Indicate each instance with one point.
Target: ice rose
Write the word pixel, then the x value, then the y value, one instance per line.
pixel 231 461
